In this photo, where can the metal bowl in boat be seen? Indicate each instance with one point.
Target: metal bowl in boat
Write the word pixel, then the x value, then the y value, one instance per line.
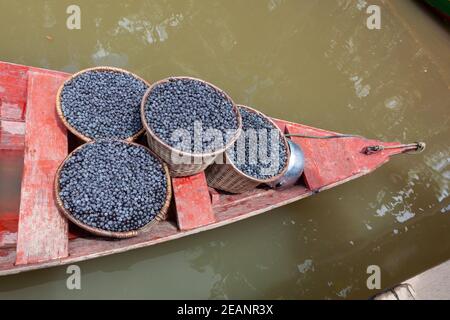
pixel 294 170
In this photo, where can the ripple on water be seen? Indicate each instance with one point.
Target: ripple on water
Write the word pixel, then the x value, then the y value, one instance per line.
pixel 344 292
pixel 393 103
pixel 361 90
pixel 307 265
pixel 404 216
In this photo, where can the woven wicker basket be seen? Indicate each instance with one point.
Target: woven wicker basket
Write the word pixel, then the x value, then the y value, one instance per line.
pixel 162 215
pixel 198 162
pixel 227 177
pixel 73 129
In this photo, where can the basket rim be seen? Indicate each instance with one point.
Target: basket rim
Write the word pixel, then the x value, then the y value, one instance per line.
pixel 288 151
pixel 236 135
pixel 105 233
pixel 72 128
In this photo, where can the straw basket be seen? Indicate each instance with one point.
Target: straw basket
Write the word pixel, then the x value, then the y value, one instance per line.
pixel 162 215
pixel 73 129
pixel 227 177
pixel 196 162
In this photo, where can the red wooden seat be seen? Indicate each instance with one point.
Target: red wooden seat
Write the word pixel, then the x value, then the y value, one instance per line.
pixel 42 232
pixel 193 202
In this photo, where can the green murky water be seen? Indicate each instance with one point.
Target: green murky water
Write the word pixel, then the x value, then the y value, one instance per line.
pixel 313 62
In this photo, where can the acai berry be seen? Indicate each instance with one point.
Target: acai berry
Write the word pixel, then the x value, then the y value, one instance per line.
pixel 103 103
pixel 113 185
pixel 260 152
pixel 191 115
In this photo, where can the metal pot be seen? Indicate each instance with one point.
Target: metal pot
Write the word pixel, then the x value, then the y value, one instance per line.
pixel 295 168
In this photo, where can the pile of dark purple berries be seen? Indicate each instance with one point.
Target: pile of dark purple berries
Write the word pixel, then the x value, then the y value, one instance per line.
pixel 254 127
pixel 113 185
pixel 104 104
pixel 180 103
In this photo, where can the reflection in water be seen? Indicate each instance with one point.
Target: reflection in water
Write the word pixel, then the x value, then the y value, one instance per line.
pixel 313 62
pixel 149 32
pixel 399 203
pixel 344 292
pixel 49 16
pixel 439 163
pixel 306 266
pixel 361 90
pixel 431 174
pixel 103 57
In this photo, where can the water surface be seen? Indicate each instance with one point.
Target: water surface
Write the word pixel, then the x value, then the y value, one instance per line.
pixel 313 62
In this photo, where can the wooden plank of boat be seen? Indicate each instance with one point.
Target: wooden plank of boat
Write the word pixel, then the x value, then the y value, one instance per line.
pixel 13 101
pixel 333 169
pixel 42 232
pixel 8 230
pixel 192 200
pixel 13 91
pixel 327 163
pixel 13 97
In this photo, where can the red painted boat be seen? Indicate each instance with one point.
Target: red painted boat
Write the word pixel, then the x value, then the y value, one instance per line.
pixel 38 236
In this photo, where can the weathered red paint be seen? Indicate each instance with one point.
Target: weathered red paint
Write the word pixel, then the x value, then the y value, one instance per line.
pixel 13 101
pixel 215 196
pixel 12 135
pixel 8 222
pixel 328 161
pixel 42 232
pixel 192 201
pixel 281 125
pixel 13 91
pixel 8 229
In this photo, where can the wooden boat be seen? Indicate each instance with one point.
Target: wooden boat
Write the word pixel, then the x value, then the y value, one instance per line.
pixel 38 236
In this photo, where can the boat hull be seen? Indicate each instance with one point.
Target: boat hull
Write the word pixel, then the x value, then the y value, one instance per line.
pixel 25 94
